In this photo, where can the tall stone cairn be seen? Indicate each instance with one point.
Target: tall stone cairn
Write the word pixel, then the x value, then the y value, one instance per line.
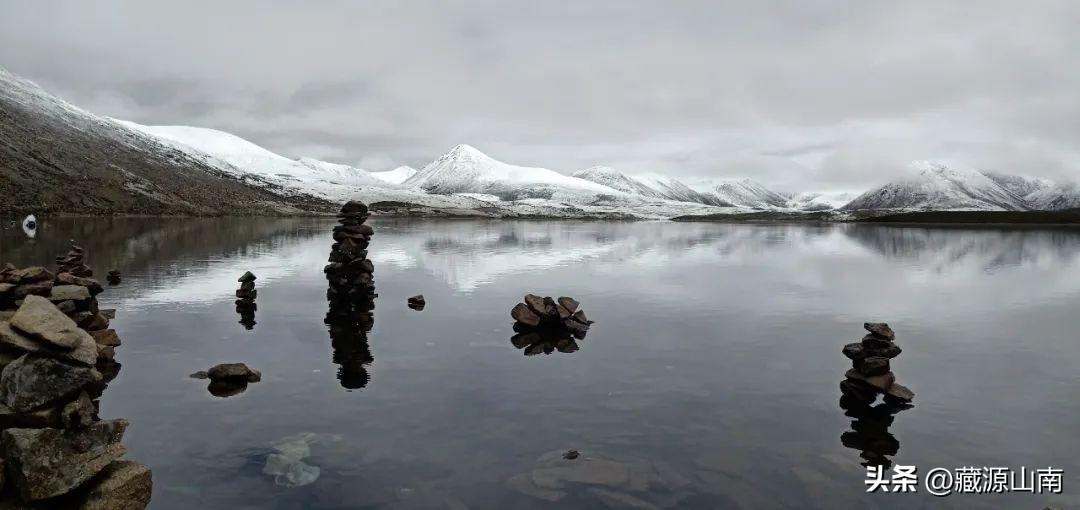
pixel 351 295
pixel 871 371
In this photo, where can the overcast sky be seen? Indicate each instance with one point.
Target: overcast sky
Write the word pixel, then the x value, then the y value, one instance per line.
pixel 800 95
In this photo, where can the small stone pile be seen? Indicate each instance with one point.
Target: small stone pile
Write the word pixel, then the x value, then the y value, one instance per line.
pixel 351 295
pixel 417 302
pixel 56 358
pixel 245 300
pixel 349 272
pixel 228 379
pixel 544 325
pixel 871 373
pixel 113 277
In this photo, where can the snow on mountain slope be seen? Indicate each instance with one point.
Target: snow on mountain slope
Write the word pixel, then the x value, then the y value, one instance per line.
pixel 1055 198
pixel 395 176
pixel 650 185
pixel 467 170
pixel 941 187
pixel 743 193
pixel 1020 185
pixel 242 158
pixel 820 201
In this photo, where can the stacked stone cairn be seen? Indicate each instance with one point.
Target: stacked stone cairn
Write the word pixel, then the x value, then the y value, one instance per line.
pixel 871 374
pixel 113 277
pixel 544 325
pixel 351 295
pixel 56 358
pixel 245 300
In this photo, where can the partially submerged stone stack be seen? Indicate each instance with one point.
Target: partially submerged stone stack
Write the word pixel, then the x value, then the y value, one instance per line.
pixel 245 299
pixel 351 295
pixel 544 325
pixel 56 357
pixel 871 374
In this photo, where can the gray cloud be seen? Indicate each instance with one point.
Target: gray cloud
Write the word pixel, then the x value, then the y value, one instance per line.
pixel 828 94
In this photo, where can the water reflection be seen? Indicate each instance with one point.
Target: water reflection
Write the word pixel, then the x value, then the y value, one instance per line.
pixel 870 430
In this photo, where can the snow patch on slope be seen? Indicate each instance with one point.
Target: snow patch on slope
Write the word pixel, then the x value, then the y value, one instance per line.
pixel 395 176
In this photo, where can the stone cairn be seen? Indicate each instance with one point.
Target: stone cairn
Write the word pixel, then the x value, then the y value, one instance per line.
pixel 113 277
pixel 544 325
pixel 57 357
pixel 869 377
pixel 351 295
pixel 245 300
pixel 871 374
pixel 228 379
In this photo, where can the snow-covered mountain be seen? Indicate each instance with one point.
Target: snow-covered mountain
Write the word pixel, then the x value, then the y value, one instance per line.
pixel 650 185
pixel 243 158
pixel 395 176
pixel 1055 198
pixel 746 193
pixel 467 170
pixel 819 201
pixel 938 186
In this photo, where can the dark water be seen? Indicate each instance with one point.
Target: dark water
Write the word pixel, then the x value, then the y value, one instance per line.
pixel 708 381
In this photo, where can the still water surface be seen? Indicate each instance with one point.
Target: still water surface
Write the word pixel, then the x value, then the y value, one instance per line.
pixel 710 379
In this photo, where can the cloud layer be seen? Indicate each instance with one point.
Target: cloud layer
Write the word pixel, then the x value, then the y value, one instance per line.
pixel 821 95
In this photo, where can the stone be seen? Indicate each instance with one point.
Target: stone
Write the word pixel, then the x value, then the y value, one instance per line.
pixel 79 413
pixel 858 390
pixel 36 419
pixel 92 285
pixel 66 307
pixel 563 312
pixel 106 337
pixel 569 303
pixel 246 277
pixel 44 463
pixel 899 393
pixel 247 294
pixel 31 274
pixel 32 381
pixel 880 329
pixel 873 365
pixel 233 372
pixel 201 374
pixel 39 318
pixel 417 300
pixel 577 329
pixel 68 293
pixel 882 382
pixel 32 289
pixel 85 353
pixel 571 455
pixel 876 342
pixel 524 315
pixel 580 317
pixel 108 313
pixel 551 309
pixel 248 285
pixel 6 287
pixel 122 485
pixel 354 207
pixel 106 353
pixel 94 322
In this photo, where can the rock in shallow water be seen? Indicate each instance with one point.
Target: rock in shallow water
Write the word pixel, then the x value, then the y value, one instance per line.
pixel 45 463
pixel 234 372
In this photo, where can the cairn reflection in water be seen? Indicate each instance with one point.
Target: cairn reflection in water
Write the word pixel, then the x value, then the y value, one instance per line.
pixel 351 295
pixel 870 430
pixel 245 300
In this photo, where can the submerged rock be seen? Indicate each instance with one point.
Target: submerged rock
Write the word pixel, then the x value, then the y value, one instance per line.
pixel 44 463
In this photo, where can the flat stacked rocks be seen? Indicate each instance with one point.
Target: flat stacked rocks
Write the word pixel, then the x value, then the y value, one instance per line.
pixel 113 277
pixel 245 300
pixel 544 325
pixel 871 373
pixel 56 358
pixel 351 296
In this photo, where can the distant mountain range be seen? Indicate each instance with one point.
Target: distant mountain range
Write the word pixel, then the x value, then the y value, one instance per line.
pixel 55 157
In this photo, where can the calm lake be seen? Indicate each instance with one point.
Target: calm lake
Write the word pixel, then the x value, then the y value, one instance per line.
pixel 709 380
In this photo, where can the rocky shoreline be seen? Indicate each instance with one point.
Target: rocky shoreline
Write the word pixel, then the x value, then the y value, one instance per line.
pixel 57 354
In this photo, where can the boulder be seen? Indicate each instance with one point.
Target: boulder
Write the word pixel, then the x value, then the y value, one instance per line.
pixel 39 318
pixel 233 372
pixel 880 329
pixel 68 293
pixel 882 382
pixel 31 274
pixel 42 288
pixel 122 485
pixel 92 285
pixel 524 315
pixel 106 337
pixel 85 353
pixel 44 463
pixel 32 381
pixel 569 303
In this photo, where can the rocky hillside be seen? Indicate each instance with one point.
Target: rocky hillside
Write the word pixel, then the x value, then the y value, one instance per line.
pixel 57 158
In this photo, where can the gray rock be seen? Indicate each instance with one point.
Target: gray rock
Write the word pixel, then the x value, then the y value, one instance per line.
pixel 201 374
pixel 44 463
pixel 106 337
pixel 873 365
pixel 108 313
pixel 122 485
pixel 41 319
pixel 79 413
pixel 33 381
pixel 524 315
pixel 92 285
pixel 36 419
pixel 877 343
pixel 882 382
pixel 6 287
pixel 246 277
pixel 859 390
pixel 31 289
pixel 31 274
pixel 68 293
pixel 233 372
pixel 880 329
pixel 569 303
pixel 898 392
pixel 66 307
pixel 85 353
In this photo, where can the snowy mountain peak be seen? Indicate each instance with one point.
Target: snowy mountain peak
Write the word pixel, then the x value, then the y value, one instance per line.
pixel 397 175
pixel 936 185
